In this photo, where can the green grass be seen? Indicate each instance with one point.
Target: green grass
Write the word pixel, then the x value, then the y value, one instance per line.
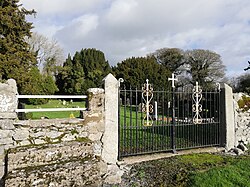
pixel 193 170
pixel 203 160
pixel 130 116
pixel 235 174
pixel 56 104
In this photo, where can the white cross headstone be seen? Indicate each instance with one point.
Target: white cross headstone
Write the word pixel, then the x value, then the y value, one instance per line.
pixel 173 79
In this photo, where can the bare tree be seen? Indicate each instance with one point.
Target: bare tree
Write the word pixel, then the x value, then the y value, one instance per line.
pixel 48 52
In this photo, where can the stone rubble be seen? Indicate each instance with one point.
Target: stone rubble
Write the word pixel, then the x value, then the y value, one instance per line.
pixel 242 123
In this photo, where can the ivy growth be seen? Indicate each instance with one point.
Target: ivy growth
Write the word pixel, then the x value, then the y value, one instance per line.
pixel 244 103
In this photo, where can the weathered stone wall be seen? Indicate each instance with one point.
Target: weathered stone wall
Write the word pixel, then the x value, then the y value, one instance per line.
pixel 55 153
pixel 242 122
pixel 60 152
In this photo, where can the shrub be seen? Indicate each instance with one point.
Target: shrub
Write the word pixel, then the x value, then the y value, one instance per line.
pixel 244 103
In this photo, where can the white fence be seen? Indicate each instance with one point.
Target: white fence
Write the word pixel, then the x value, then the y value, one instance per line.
pixel 51 97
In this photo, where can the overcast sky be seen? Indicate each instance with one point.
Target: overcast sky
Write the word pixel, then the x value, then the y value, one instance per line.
pixel 126 28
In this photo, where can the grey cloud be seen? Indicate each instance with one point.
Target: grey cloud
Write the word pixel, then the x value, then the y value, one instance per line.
pixel 125 28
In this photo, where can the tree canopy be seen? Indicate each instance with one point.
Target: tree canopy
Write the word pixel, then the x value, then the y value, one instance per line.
pixel 85 70
pixel 204 66
pixel 39 84
pixel 136 70
pixel 171 58
pixel 15 57
pixel 243 83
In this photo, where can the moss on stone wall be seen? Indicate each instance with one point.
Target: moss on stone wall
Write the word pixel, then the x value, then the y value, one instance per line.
pixel 244 103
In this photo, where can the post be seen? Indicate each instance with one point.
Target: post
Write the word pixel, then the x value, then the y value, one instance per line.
pixel 174 122
pixel 173 79
pixel 227 121
pixel 8 106
pixel 8 100
pixel 110 137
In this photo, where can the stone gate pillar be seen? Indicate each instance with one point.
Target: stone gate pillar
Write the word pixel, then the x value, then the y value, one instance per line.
pixel 8 106
pixel 227 117
pixel 110 137
pixel 8 99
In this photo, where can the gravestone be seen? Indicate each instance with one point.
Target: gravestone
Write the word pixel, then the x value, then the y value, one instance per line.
pixel 127 101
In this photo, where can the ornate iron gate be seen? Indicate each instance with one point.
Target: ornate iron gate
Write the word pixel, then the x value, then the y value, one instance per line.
pixel 159 121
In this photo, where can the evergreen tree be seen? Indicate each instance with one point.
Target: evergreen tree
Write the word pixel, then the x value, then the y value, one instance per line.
pixel 95 66
pixel 86 70
pixel 63 79
pixel 136 70
pixel 243 83
pixel 39 84
pixel 15 58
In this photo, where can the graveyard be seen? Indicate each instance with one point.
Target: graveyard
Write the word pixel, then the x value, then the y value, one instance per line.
pixel 97 148
pixel 55 104
pixel 124 93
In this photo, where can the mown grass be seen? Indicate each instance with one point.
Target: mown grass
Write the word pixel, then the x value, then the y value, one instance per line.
pixel 56 104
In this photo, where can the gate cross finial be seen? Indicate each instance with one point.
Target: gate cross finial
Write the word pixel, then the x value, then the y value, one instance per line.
pixel 173 79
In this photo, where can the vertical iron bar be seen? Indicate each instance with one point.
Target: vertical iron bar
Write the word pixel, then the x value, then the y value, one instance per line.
pixel 215 117
pixel 195 132
pixel 142 130
pixel 210 132
pixel 163 138
pixel 173 119
pixel 206 125
pixel 211 129
pixel 157 123
pixel 131 129
pixel 177 117
pixel 153 123
pixel 136 118
pixel 125 125
pixel 187 122
pixel 183 117
pixel 188 117
pixel 218 118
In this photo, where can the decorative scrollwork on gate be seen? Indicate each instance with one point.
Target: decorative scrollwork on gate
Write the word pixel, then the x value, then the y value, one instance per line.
pixel 147 108
pixel 197 107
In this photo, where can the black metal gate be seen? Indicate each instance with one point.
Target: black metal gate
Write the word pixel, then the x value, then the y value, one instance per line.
pixel 159 121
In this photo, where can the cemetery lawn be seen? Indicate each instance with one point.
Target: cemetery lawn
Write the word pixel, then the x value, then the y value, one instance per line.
pixel 194 170
pixel 55 104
